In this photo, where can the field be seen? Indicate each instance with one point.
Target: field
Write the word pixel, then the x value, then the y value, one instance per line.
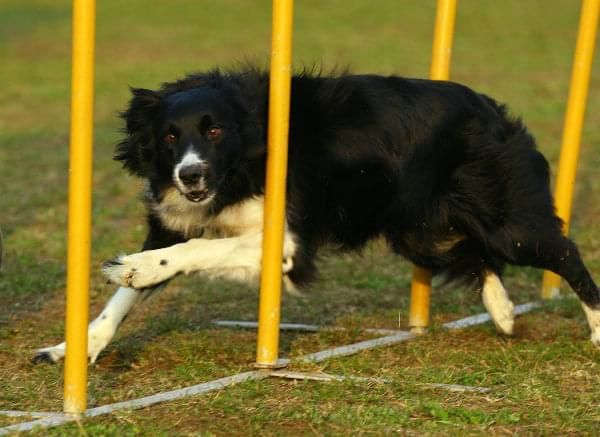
pixel 544 381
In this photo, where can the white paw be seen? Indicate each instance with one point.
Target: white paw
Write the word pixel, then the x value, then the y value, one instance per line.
pixel 100 333
pixel 593 317
pixel 595 338
pixel 498 304
pixel 288 265
pixel 503 319
pixel 50 354
pixel 139 270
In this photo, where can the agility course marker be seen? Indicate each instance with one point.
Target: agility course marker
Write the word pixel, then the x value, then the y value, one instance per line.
pixel 420 293
pixel 571 140
pixel 267 348
pixel 55 419
pixel 80 205
pixel 442 40
pixel 440 70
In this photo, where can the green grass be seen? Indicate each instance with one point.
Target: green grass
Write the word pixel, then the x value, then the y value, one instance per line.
pixel 544 381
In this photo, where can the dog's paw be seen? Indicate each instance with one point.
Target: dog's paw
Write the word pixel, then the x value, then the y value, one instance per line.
pixel 100 333
pixel 139 270
pixel 595 338
pixel 503 319
pixel 287 265
pixel 501 312
pixel 498 305
pixel 593 317
pixel 50 355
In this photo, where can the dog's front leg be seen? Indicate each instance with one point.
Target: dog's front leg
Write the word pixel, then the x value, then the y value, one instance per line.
pixel 103 328
pixel 235 258
pixel 218 256
pixel 100 331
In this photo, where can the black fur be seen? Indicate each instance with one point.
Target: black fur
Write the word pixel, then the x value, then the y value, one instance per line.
pixel 450 180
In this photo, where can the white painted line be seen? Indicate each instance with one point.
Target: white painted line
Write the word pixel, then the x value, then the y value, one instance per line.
pixel 459 388
pixel 485 317
pixel 254 325
pixel 15 413
pixel 328 377
pixel 186 392
pixel 311 376
pixel 42 423
pixel 141 402
pixel 351 349
pixel 298 327
pixel 320 376
pixel 383 331
pixel 399 336
pixel 477 319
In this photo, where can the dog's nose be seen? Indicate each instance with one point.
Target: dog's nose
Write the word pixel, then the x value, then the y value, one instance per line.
pixel 190 174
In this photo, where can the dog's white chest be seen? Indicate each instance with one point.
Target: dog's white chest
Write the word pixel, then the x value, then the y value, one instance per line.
pixel 180 215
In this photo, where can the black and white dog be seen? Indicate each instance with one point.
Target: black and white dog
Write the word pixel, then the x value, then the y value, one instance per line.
pixel 441 172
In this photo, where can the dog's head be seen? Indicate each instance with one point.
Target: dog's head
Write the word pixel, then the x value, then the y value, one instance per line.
pixel 190 137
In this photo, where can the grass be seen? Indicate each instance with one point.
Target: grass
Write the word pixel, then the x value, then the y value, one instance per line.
pixel 544 381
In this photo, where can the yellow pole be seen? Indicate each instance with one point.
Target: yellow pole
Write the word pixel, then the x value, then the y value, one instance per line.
pixel 420 292
pixel 571 139
pixel 442 40
pixel 275 186
pixel 440 70
pixel 80 202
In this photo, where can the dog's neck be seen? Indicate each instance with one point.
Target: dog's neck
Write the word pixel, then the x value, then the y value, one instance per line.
pixel 195 220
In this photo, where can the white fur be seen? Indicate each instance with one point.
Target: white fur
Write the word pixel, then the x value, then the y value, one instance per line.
pixel 190 158
pixel 230 247
pixel 179 214
pixel 103 328
pixel 237 258
pixel 498 304
pixel 191 219
pixel 593 317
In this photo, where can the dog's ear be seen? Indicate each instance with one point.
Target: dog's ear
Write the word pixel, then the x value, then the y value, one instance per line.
pixel 136 149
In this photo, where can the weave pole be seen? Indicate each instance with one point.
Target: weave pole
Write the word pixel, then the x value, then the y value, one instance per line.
pixel 80 203
pixel 275 186
pixel 440 70
pixel 574 116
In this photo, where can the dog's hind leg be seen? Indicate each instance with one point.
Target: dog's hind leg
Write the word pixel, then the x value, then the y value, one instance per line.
pixel 563 258
pixel 557 253
pixel 593 318
pixel 497 303
pixel 100 331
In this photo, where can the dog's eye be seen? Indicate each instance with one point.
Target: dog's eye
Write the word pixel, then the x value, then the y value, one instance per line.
pixel 170 138
pixel 214 132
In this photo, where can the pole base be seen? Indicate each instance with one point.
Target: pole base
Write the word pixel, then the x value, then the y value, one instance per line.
pixel 551 293
pixel 279 364
pixel 418 330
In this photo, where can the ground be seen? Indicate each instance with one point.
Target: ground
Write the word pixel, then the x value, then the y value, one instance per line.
pixel 543 381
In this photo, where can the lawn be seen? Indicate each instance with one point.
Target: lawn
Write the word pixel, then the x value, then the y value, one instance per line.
pixel 544 381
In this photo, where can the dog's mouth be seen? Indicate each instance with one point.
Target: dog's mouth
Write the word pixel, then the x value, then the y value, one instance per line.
pixel 198 195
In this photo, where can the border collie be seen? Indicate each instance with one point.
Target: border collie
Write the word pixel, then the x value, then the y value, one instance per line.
pixel 439 171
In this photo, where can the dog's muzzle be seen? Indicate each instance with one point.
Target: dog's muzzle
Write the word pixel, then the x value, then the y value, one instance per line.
pixel 191 177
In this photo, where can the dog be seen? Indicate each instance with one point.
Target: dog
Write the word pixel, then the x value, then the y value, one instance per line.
pixel 442 173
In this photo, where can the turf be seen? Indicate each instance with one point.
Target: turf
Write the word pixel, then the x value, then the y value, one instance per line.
pixel 544 381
